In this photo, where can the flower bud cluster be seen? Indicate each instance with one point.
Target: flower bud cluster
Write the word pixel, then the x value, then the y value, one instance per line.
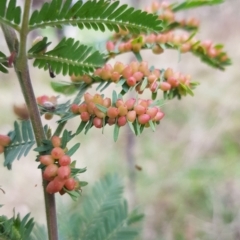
pixel 57 169
pixel 125 42
pixel 135 73
pixel 4 141
pixel 181 41
pixel 118 113
pixel 187 44
pixel 48 104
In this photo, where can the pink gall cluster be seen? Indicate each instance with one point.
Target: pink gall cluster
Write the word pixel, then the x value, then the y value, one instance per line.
pixel 135 73
pixel 118 113
pixel 123 41
pixel 58 170
pixel 181 41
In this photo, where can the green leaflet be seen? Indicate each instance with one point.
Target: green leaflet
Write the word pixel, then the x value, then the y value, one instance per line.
pixel 10 14
pixel 101 108
pixel 194 3
pixel 116 132
pixel 66 137
pixel 71 151
pixel 81 127
pixel 97 15
pixel 114 98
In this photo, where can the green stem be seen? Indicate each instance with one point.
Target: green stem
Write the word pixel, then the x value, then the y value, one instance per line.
pixel 22 71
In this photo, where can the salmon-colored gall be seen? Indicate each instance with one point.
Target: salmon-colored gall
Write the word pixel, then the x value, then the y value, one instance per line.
pixel 70 184
pixel 50 171
pixel 85 116
pixel 131 116
pixel 122 121
pixel 56 141
pixel 57 152
pixel 144 118
pixel 64 172
pixel 64 160
pixel 74 108
pixel 98 122
pixel 112 112
pixel 4 140
pixel 46 159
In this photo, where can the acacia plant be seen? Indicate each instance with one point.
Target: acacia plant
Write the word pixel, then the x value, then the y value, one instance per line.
pixel 134 31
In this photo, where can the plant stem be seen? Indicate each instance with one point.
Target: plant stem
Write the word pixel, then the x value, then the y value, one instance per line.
pixel 22 71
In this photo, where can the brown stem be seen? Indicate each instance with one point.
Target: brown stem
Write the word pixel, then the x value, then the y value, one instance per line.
pixel 22 71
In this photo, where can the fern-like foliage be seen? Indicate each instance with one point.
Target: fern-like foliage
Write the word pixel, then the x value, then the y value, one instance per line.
pixel 102 215
pixel 16 228
pixel 3 63
pixel 10 14
pixel 22 140
pixel 69 57
pixel 194 3
pixel 38 232
pixel 93 14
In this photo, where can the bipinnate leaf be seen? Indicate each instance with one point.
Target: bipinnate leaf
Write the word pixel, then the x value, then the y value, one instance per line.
pixel 22 140
pixel 102 215
pixel 10 13
pixel 93 14
pixel 69 57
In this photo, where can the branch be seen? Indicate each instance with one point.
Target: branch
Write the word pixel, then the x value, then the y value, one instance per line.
pixel 21 68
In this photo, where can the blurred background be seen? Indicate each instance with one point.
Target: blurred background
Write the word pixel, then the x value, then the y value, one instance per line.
pixel 189 185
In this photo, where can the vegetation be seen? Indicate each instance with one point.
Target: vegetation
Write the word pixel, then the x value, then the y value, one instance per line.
pixel 105 213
